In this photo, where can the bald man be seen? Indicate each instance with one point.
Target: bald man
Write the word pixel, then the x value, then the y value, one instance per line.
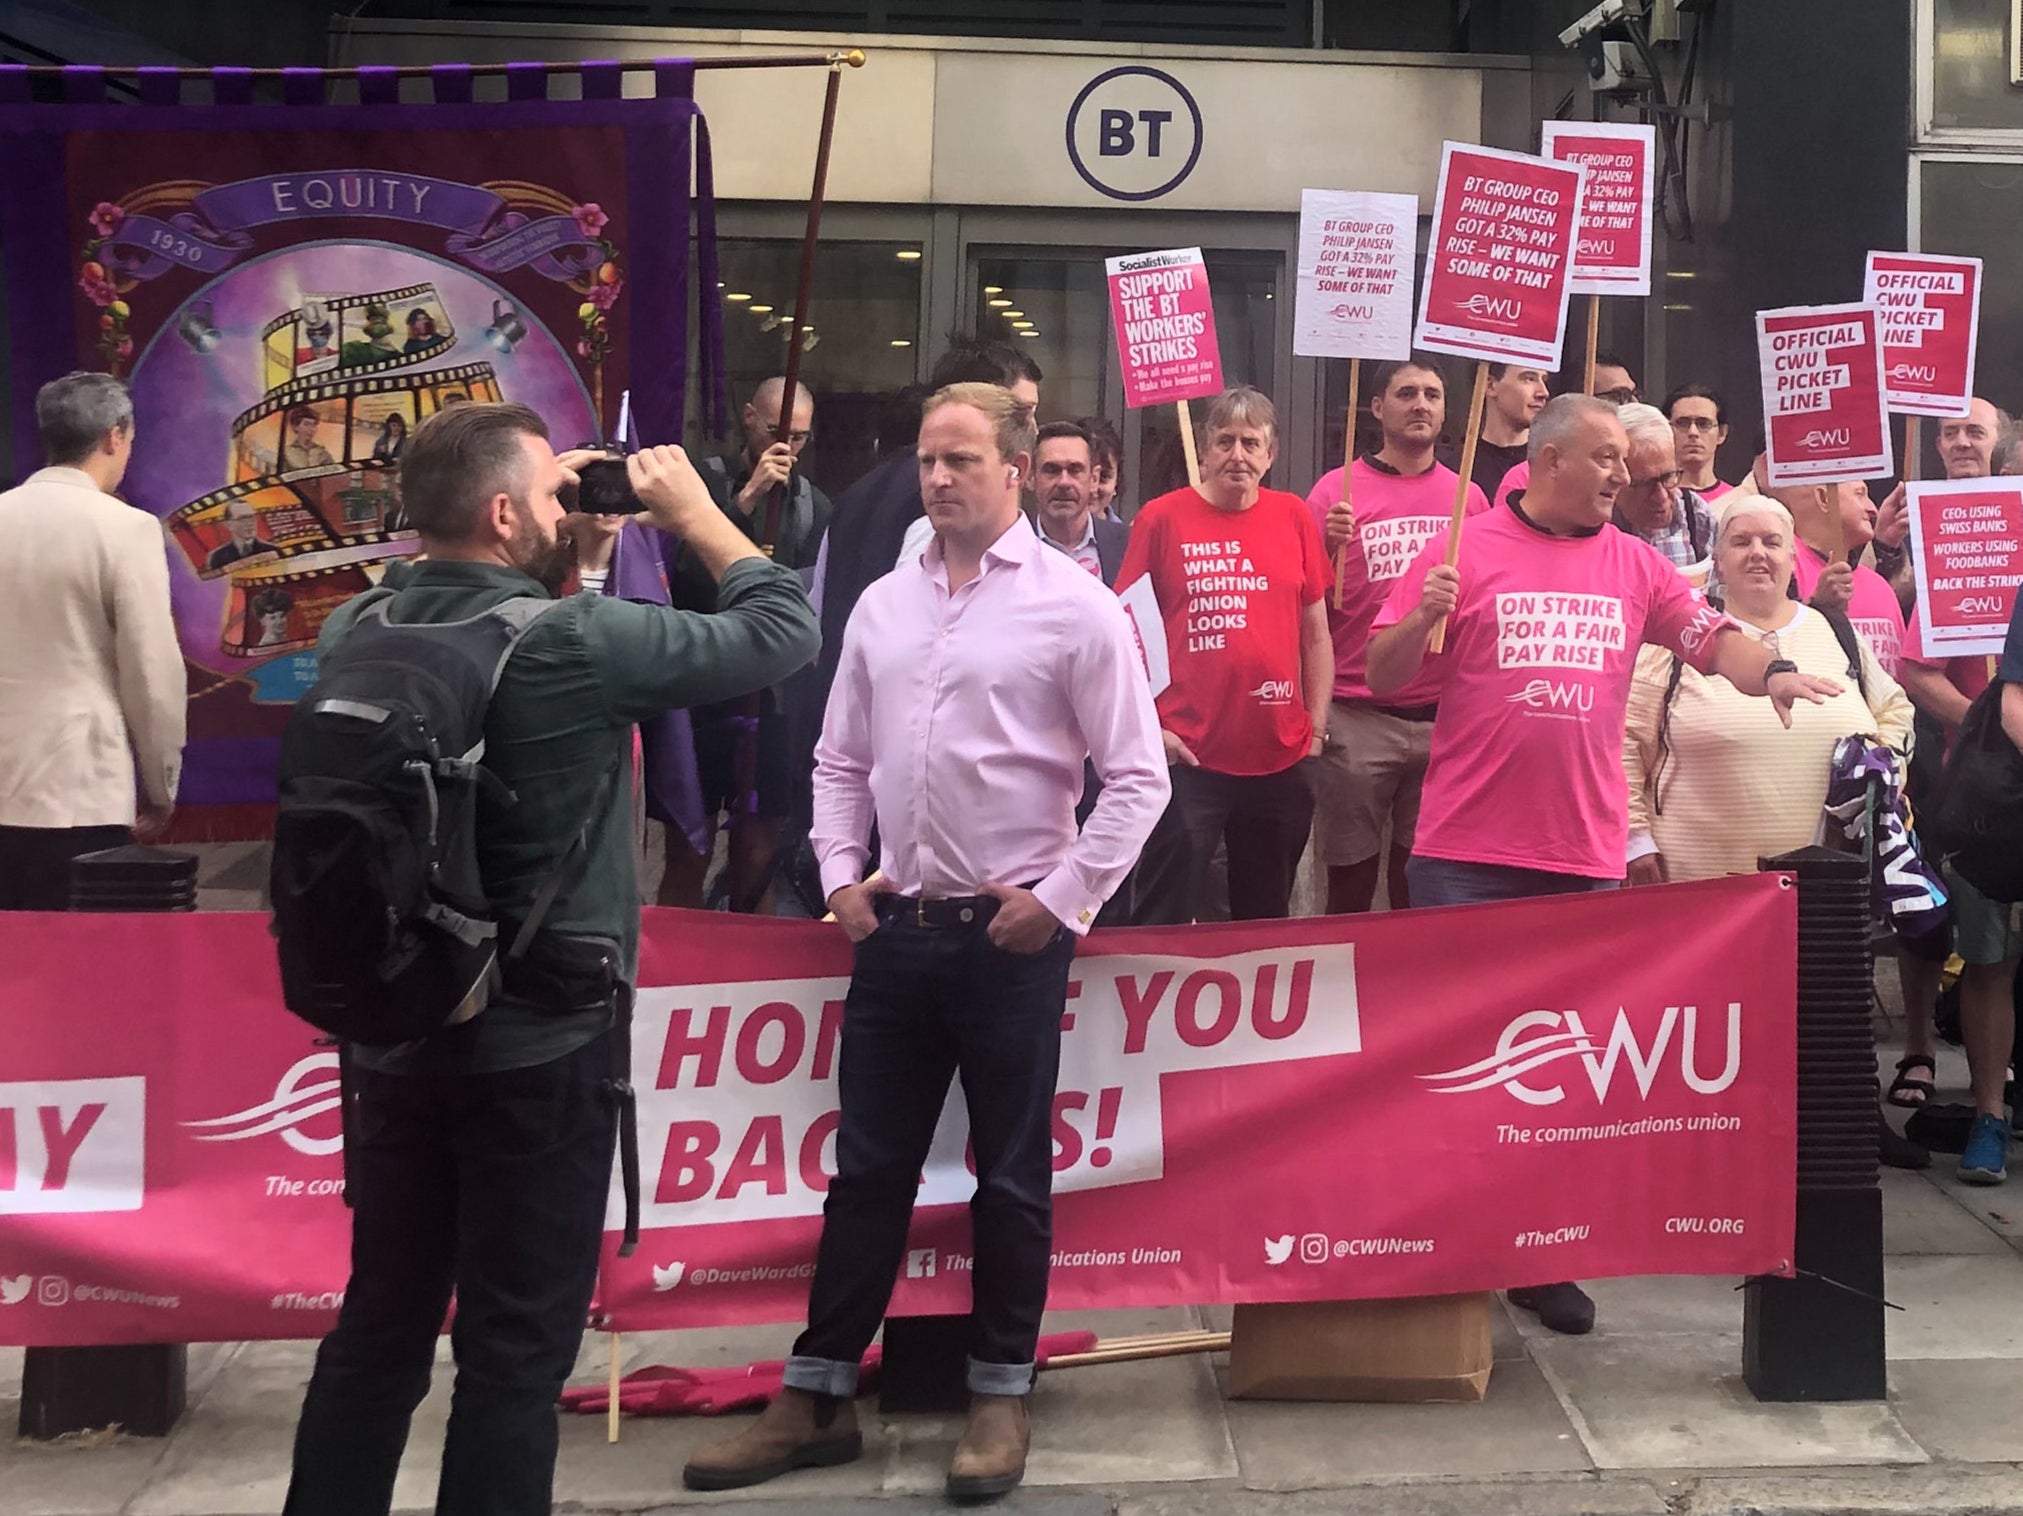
pixel 741 487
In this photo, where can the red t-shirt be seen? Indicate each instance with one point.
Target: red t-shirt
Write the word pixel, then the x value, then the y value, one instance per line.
pixel 1396 516
pixel 1527 765
pixel 1873 607
pixel 1232 588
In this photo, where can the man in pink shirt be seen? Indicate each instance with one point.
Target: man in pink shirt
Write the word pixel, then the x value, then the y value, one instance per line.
pixel 1374 758
pixel 974 682
pixel 1524 791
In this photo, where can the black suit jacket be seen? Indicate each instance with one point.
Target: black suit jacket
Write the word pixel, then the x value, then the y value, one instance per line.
pixel 1111 538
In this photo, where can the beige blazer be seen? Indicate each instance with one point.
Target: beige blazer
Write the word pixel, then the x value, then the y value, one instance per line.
pixel 92 689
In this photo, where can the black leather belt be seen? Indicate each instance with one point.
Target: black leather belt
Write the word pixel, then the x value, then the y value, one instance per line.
pixel 938 913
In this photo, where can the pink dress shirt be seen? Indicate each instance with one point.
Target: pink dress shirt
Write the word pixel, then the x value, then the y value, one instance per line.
pixel 962 720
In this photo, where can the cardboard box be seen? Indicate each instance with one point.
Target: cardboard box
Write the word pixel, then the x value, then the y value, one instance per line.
pixel 1426 1348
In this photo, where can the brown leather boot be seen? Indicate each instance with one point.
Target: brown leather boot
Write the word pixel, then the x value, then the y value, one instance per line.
pixel 991 1458
pixel 799 1430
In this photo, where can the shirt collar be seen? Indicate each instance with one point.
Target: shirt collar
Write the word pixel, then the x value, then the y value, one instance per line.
pixel 1394 471
pixel 1087 539
pixel 460 573
pixel 1013 546
pixel 60 473
pixel 1516 503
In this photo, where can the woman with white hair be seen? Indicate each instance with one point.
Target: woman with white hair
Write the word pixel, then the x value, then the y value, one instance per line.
pixel 1716 782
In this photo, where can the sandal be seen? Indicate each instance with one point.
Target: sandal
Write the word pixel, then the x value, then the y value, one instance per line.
pixel 1908 1092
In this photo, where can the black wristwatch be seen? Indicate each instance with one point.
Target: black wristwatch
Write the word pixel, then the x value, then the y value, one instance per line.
pixel 1778 666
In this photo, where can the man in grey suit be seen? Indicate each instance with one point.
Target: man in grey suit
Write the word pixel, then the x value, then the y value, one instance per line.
pixel 1064 513
pixel 91 676
pixel 1063 487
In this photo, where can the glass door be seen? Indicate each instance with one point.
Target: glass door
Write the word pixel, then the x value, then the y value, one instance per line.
pixel 1056 302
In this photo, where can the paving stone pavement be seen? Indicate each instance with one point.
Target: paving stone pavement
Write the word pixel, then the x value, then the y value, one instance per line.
pixel 1647 1417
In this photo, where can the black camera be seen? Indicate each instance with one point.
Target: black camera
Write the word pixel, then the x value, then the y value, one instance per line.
pixel 604 488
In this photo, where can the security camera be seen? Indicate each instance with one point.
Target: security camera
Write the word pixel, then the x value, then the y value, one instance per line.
pixel 1608 13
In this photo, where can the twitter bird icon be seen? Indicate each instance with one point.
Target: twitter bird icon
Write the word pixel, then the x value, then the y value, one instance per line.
pixel 1277 1249
pixel 14 1291
pixel 665 1279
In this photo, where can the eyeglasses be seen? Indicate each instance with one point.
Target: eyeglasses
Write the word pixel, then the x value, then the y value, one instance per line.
pixel 1695 424
pixel 1624 396
pixel 1667 481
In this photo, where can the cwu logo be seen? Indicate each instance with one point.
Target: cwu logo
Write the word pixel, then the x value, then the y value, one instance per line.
pixel 1550 695
pixel 1564 1035
pixel 308 1090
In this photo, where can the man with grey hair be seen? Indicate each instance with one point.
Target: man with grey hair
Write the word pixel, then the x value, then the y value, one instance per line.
pixel 91 677
pixel 1241 579
pixel 1653 506
pixel 479 1158
pixel 1524 790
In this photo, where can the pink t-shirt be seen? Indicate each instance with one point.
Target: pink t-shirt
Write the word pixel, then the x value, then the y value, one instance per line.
pixel 1715 491
pixel 1396 517
pixel 1527 765
pixel 1873 607
pixel 1519 478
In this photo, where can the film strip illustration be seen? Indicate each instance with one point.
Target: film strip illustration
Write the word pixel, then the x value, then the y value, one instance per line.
pixel 275 609
pixel 355 334
pixel 314 468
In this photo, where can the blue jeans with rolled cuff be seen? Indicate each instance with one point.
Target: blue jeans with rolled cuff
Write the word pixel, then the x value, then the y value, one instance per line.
pixel 928 1004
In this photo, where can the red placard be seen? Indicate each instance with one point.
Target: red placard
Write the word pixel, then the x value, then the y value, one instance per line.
pixel 1613 253
pixel 1282 1110
pixel 1165 326
pixel 1823 394
pixel 1930 310
pixel 1498 270
pixel 1969 561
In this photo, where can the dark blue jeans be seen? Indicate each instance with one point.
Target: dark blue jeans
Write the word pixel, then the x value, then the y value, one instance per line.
pixel 925 1005
pixel 491 1186
pixel 1443 881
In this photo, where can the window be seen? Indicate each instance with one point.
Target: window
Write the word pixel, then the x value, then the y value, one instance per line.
pixel 864 323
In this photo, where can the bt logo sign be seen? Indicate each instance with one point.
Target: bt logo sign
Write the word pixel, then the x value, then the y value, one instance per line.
pixel 1134 133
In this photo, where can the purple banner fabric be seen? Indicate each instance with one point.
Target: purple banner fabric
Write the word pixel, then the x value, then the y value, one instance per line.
pixel 290 290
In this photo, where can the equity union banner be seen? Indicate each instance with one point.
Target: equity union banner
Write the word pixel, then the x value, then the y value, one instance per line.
pixel 291 290
pixel 1290 1110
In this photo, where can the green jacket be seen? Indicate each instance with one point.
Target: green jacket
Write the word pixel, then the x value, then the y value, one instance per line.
pixel 561 719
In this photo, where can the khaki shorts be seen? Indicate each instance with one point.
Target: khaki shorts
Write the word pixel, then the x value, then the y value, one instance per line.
pixel 1369 772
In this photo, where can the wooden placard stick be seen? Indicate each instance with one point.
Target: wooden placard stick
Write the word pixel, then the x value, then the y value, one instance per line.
pixel 1594 337
pixel 611 1411
pixel 1187 444
pixel 1348 466
pixel 1438 643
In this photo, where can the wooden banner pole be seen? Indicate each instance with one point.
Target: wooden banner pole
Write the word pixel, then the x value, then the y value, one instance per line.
pixel 1187 444
pixel 1913 451
pixel 1438 643
pixel 611 1411
pixel 1594 337
pixel 1349 466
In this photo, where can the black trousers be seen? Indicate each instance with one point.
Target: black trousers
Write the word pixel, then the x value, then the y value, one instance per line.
pixel 491 1187
pixel 1263 821
pixel 35 862
pixel 927 1005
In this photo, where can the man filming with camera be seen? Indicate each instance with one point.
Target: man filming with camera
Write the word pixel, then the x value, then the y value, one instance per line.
pixel 480 1156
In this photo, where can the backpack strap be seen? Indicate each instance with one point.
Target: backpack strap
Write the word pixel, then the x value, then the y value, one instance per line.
pixel 565 867
pixel 1850 644
pixel 1665 733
